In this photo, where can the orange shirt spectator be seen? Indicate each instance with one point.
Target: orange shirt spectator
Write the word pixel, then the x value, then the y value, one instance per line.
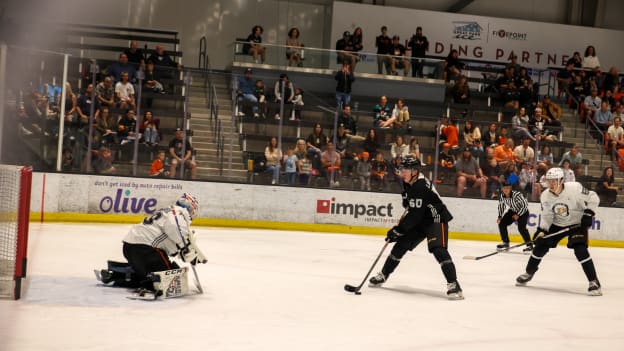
pixel 158 166
pixel 452 134
pixel 504 153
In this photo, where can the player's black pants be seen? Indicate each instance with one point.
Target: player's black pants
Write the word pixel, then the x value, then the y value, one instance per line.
pixel 437 242
pixel 577 240
pixel 143 260
pixel 507 220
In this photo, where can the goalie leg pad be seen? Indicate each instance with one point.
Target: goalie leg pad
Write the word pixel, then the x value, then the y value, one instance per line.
pixel 172 283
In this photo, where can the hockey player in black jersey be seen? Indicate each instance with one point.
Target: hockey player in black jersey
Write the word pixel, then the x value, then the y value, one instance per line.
pixel 426 217
pixel 564 205
pixel 512 206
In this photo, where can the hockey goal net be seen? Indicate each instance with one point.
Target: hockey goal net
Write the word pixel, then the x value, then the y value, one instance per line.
pixel 15 183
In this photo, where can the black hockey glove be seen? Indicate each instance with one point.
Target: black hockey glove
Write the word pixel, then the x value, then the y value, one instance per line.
pixel 588 218
pixel 393 235
pixel 538 237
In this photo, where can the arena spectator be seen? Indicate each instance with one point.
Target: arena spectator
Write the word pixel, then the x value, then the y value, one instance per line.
pixel 504 153
pixel 452 66
pixel 525 87
pixel 447 163
pixel 363 170
pixel 297 105
pixel 126 127
pixel 344 78
pixel 524 152
pixel 451 134
pixel 135 55
pixel 400 116
pixel 273 156
pixel 383 44
pixel 520 125
pixel 124 93
pixel 347 120
pixel 576 60
pixel 591 104
pixel 181 151
pixel 469 174
pixel 538 127
pixel 460 92
pixel 116 69
pixel 343 147
pixel 379 170
pixel 603 117
pixel 103 163
pixel 414 147
pixel 252 46
pixel 616 137
pixel 283 83
pixel 149 129
pixel 260 94
pixel 293 47
pixel 419 45
pixel 370 143
pixel 382 113
pixel 106 127
pixel 398 60
pixel 545 156
pixel 105 93
pixel 491 171
pixel 565 77
pixel 315 142
pixel 550 109
pixel 577 91
pixel 568 172
pixel 290 165
pixel 246 93
pixel 591 60
pixel 152 79
pixel 606 189
pixel 330 165
pixel 163 63
pixel 470 133
pixel 157 169
pixel 71 106
pixel 490 136
pixel 611 81
pixel 399 148
pixel 574 157
pixel 346 51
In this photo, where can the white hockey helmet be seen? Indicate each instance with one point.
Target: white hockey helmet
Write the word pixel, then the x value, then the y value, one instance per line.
pixel 554 173
pixel 189 202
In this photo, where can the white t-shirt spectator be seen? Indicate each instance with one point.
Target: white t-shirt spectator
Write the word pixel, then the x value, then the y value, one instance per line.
pixel 125 90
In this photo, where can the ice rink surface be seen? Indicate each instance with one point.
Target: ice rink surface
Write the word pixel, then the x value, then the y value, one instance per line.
pixel 279 290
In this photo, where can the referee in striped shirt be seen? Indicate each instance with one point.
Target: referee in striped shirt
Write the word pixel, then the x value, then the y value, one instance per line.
pixel 512 206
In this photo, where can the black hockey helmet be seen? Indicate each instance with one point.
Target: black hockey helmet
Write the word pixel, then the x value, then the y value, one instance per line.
pixel 411 162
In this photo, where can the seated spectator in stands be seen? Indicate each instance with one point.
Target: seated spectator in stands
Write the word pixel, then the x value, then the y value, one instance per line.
pixel 490 137
pixel 513 63
pixel 503 135
pixel 460 92
pixel 344 78
pixel 507 85
pixel 163 63
pixel 305 170
pixel 526 178
pixel 297 105
pixel 491 171
pixel 447 163
pixel 259 93
pixel 537 126
pixel 400 116
pixel 398 60
pixel 157 169
pixel 520 125
pixel 106 126
pixel 618 110
pixel 545 156
pixel 470 133
pixel 84 105
pixel 453 66
pixel 399 148
pixel 124 93
pixel 611 81
pixel 284 85
pixel 358 39
pixel 135 55
pixel 181 151
pixel 591 104
pixel 414 148
pixel 606 190
pixel 550 109
pixel 346 51
pixel 273 156
pixel 245 91
pixel 152 80
pixel 293 47
pixel 603 117
pixel 590 60
pixel 315 142
pixel 524 84
pixel 510 174
pixel 504 153
pixel 103 163
pixel 300 148
pixel 568 173
pixel 370 143
pixel 105 93
pixel 149 129
pixel 343 148
pixel 576 60
pixel 577 91
pixel 616 137
pixel 71 105
pixel 394 173
pixel 478 151
pixel 565 77
pixel 451 134
pixel 347 120
pixel 116 69
pixel 575 158
pixel 126 127
pixel 444 121
pixel 253 47
pixel 363 170
pixel 330 165
pixel 524 152
pixel 382 113
pixel 379 170
pixel 609 99
pixel 469 174
pixel 290 165
pixel 67 160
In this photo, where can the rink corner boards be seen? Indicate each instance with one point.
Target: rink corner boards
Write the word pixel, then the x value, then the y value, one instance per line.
pixel 290 226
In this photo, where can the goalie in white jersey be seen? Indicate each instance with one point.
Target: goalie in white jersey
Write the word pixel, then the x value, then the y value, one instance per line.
pixel 564 206
pixel 148 245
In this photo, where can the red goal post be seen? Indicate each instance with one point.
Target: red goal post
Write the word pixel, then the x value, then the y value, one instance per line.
pixel 15 189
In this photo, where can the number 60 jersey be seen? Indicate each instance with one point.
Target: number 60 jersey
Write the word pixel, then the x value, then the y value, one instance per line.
pixel 161 231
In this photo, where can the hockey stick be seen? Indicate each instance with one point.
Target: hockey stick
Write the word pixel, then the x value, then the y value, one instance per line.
pixel 197 283
pixel 356 289
pixel 476 258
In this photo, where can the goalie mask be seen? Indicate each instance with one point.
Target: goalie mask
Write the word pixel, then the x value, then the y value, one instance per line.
pixel 189 202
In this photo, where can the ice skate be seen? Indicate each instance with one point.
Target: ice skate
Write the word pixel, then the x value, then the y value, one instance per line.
pixel 594 288
pixel 502 247
pixel 523 279
pixel 528 249
pixel 454 291
pixel 377 280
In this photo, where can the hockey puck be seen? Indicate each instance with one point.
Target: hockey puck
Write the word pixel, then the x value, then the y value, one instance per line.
pixel 358 293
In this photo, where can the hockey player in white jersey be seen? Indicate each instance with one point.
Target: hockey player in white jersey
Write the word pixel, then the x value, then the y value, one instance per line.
pixel 148 246
pixel 568 205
